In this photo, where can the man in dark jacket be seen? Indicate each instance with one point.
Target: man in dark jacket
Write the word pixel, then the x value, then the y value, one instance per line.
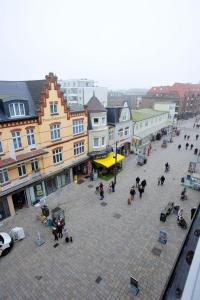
pixel 143 183
pixel 137 181
pixel 132 193
pixel 162 179
pixel 141 190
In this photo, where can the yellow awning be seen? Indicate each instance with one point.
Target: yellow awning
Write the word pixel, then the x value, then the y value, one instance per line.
pixel 109 161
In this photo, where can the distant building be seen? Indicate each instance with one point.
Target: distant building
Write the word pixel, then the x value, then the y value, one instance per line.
pixel 188 94
pixel 80 91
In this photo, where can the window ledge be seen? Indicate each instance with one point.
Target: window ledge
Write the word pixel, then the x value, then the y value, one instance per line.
pixel 53 114
pixel 5 183
pixel 58 163
pixel 23 176
pixel 75 134
pixel 17 150
pixel 1 154
pixel 79 154
pixel 56 140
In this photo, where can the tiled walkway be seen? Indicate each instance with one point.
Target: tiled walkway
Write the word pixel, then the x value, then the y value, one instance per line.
pixel 111 242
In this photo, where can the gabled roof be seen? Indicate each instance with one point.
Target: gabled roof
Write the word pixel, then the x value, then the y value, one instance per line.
pixel 35 88
pixel 114 113
pixel 94 105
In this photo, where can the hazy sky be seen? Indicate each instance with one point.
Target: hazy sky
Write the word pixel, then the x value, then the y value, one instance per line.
pixel 118 43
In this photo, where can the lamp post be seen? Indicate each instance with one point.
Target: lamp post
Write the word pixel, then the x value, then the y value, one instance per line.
pixel 115 163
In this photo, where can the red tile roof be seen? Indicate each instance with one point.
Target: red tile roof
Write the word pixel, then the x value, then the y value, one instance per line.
pixel 181 89
pixel 22 157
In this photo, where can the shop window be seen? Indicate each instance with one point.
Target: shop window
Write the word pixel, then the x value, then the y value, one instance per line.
pixel 126 131
pixel 55 132
pixel 30 137
pixel 78 126
pixel 34 165
pixel 16 109
pixel 102 141
pixel 78 148
pixel 4 176
pixel 17 142
pixel 4 208
pixel 53 108
pixel 21 169
pixel 57 156
pixel 1 147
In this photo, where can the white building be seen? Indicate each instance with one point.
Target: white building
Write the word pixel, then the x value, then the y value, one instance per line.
pixel 170 107
pixel 146 124
pixel 80 91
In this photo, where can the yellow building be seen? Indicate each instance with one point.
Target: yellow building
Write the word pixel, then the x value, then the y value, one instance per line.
pixel 43 142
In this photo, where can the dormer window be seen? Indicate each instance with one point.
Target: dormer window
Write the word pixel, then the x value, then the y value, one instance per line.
pixel 16 109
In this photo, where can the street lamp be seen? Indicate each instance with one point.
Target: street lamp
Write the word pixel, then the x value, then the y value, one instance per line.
pixel 115 163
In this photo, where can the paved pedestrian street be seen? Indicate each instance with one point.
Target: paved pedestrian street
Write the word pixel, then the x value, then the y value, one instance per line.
pixel 110 242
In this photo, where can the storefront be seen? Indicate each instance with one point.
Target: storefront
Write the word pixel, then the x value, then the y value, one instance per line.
pixel 57 181
pixel 19 199
pixel 4 208
pixel 81 170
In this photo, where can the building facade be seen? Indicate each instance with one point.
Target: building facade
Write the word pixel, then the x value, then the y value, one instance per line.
pixel 43 142
pixel 169 107
pixel 97 128
pixel 120 128
pixel 80 91
pixel 146 124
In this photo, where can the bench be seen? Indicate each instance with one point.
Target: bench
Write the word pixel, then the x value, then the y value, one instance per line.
pixel 166 211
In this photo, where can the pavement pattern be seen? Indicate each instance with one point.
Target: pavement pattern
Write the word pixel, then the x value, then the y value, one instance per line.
pixel 111 242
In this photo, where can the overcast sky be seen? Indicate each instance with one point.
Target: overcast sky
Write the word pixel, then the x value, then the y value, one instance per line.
pixel 118 43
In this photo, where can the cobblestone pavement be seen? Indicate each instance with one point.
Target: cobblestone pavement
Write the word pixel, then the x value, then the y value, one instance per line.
pixel 112 241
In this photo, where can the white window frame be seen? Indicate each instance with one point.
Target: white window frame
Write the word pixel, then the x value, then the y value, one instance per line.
pixel 120 132
pixel 53 107
pixel 103 141
pixel 111 135
pixel 96 124
pixel 55 132
pixel 124 117
pixel 21 168
pixel 57 156
pixel 4 175
pixel 126 131
pixel 30 137
pixel 78 126
pixel 35 165
pixel 79 148
pixel 103 120
pixel 1 147
pixel 96 139
pixel 17 140
pixel 16 109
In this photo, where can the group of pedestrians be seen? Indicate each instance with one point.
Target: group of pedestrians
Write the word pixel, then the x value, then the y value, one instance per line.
pixel 186 137
pixel 57 229
pixel 190 146
pixel 140 185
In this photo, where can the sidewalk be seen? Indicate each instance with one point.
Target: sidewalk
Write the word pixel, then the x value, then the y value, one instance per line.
pixel 112 241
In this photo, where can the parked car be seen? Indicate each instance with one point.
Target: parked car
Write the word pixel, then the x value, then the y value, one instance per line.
pixel 6 243
pixel 141 159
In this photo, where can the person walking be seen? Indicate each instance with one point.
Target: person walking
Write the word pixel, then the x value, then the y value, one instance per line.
pixel 166 167
pixel 55 233
pixel 59 228
pixel 141 190
pixel 113 186
pixel 143 183
pixel 132 193
pixel 159 179
pixel 188 137
pixel 185 137
pixel 194 125
pixel 162 179
pixel 197 136
pixel 179 147
pixel 101 194
pixel 137 181
pixel 191 146
pixel 186 146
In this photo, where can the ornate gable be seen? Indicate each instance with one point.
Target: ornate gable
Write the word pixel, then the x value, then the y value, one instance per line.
pixel 50 79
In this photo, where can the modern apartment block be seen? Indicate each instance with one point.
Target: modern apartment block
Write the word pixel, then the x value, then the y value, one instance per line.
pixel 80 91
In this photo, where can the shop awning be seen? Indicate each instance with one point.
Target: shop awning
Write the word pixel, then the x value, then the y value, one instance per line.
pixel 109 160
